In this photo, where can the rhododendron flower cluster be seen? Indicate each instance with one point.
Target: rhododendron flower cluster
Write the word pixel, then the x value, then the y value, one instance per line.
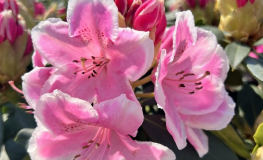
pixel 84 101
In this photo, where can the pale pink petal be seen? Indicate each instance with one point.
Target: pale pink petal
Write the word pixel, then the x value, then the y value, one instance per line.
pixel 213 121
pixel 174 124
pixel 132 53
pixel 253 55
pixel 38 60
pixel 120 114
pixel 43 145
pixel 259 49
pixel 185 34
pixel 63 114
pixel 198 139
pixel 33 82
pixel 203 101
pixel 167 41
pixel 94 16
pixel 123 147
pixel 52 41
pixel 99 88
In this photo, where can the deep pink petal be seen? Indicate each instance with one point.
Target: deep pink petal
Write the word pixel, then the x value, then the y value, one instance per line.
pixel 191 3
pixel 259 49
pixel 51 40
pixel 213 121
pixel 198 139
pixel 131 54
pixel 241 3
pixel 252 1
pixel 160 29
pixel 61 113
pixel 123 147
pixel 94 16
pixel 38 60
pixel 33 83
pixel 120 114
pixel 122 6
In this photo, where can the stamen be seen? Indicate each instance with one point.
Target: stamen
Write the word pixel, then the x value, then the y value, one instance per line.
pixel 181 85
pixel 76 61
pixel 198 79
pixel 86 146
pixel 12 84
pixel 198 83
pixel 179 73
pixel 198 88
pixel 76 156
pixel 192 92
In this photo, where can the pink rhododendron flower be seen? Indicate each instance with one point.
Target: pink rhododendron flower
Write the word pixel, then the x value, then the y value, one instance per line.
pixel 144 15
pixel 189 84
pixel 93 55
pixel 9 5
pixel 39 9
pixel 33 82
pixel 241 3
pixel 70 128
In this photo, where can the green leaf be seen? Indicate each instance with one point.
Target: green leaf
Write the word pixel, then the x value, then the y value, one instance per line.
pixel 219 34
pixel 23 137
pixel 250 102
pixel 258 43
pixel 236 52
pixel 232 140
pixel 14 150
pixel 258 136
pixel 155 127
pixel 255 66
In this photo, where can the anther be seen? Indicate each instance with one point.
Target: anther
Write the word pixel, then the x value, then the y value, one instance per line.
pixel 76 61
pixel 98 65
pixel 108 146
pixel 181 78
pixel 89 77
pixel 179 73
pixel 181 85
pixel 83 72
pixel 86 146
pixel 91 141
pixel 95 72
pixel 83 59
pixel 192 92
pixel 92 75
pixel 92 57
pixel 75 72
pixel 198 88
pixel 77 156
pixel 199 83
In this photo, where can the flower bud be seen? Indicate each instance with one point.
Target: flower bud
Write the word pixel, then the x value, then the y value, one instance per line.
pixel 8 26
pixel 16 46
pixel 9 5
pixel 39 9
pixel 201 9
pixel 144 15
pixel 241 19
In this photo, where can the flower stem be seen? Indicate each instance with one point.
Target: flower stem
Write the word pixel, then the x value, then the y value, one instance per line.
pixel 144 95
pixel 141 82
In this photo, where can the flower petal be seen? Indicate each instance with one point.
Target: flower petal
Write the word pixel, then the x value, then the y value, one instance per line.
pixel 43 145
pixel 94 16
pixel 100 88
pixel 51 40
pixel 120 114
pixel 198 139
pixel 123 147
pixel 215 120
pixel 185 33
pixel 38 60
pixel 132 53
pixel 202 101
pixel 33 82
pixel 61 113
